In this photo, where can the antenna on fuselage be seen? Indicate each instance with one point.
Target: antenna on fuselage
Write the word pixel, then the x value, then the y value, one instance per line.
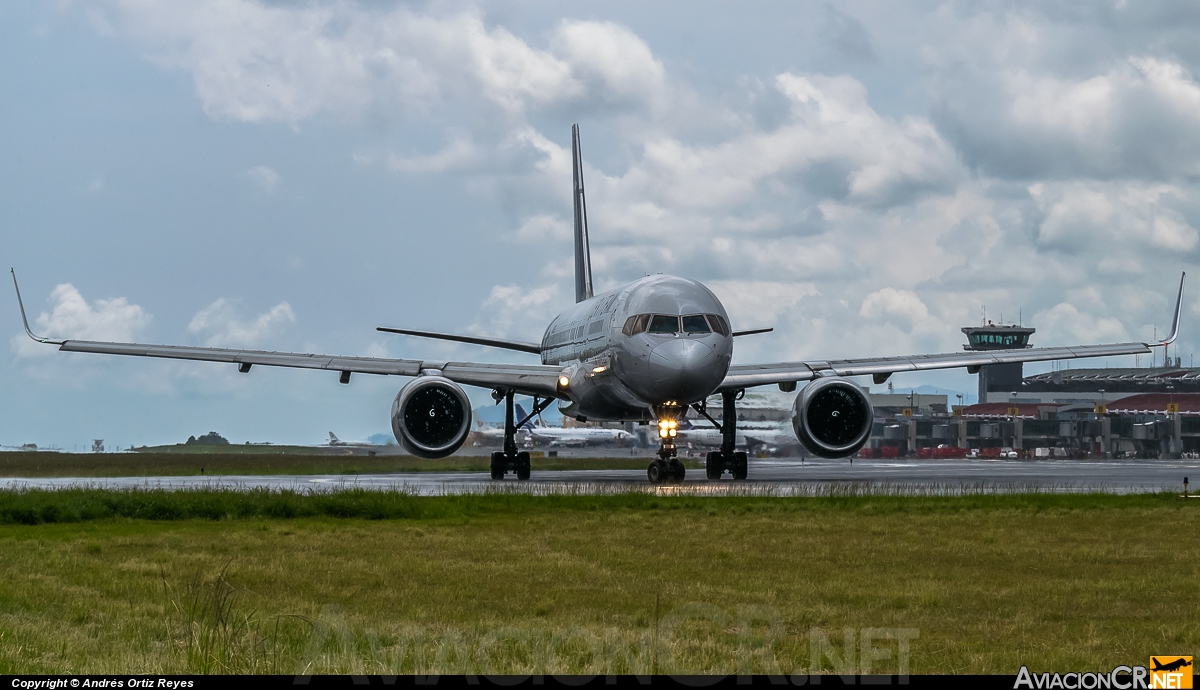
pixel 583 254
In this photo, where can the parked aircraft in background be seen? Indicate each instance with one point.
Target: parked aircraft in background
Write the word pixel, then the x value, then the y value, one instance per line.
pixel 689 433
pixel 646 352
pixel 335 441
pixel 541 434
pixel 497 433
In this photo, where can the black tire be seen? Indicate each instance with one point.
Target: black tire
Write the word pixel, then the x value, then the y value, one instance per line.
pixel 498 465
pixel 522 465
pixel 740 466
pixel 676 471
pixel 657 472
pixel 713 466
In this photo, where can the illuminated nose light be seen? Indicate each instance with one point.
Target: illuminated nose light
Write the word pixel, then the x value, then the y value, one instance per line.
pixel 598 370
pixel 564 381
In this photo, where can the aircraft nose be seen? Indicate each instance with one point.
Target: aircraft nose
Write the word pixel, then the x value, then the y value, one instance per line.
pixel 684 369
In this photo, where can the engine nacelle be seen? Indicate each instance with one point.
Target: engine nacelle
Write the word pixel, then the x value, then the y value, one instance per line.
pixel 431 417
pixel 832 417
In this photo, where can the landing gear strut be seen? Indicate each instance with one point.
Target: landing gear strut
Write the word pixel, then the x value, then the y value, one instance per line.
pixel 726 459
pixel 666 468
pixel 509 459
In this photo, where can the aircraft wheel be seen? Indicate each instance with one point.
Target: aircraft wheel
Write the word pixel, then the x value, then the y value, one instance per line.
pixel 657 472
pixel 740 469
pixel 676 471
pixel 497 465
pixel 712 466
pixel 522 465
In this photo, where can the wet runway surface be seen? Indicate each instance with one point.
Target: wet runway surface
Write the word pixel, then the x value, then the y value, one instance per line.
pixel 767 476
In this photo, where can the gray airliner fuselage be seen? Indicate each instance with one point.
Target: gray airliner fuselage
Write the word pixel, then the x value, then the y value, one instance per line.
pixel 659 341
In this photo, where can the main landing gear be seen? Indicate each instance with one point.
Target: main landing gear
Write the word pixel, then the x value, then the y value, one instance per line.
pixel 509 460
pixel 666 468
pixel 725 460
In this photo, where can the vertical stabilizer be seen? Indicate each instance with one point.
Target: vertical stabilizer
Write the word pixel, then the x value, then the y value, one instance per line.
pixel 583 254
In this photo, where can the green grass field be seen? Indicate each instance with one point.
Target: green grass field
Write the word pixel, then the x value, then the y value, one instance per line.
pixel 210 581
pixel 142 464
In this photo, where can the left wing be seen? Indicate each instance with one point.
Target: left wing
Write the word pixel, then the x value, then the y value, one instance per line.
pixel 748 375
pixel 529 379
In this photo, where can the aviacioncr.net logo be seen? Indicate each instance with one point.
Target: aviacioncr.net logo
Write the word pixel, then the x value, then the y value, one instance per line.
pixel 1173 672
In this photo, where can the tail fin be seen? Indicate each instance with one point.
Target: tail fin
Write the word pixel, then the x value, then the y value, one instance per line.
pixel 583 254
pixel 333 440
pixel 521 415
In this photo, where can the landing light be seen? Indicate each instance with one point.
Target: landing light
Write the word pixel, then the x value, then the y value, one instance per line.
pixel 666 428
pixel 598 370
pixel 564 381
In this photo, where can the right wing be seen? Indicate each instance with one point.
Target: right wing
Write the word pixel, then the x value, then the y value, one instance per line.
pixel 747 375
pixel 529 379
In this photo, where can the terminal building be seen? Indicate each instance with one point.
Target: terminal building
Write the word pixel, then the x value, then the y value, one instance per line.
pixel 1113 412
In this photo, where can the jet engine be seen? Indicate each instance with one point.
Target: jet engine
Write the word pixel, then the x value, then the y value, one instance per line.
pixel 431 417
pixel 832 417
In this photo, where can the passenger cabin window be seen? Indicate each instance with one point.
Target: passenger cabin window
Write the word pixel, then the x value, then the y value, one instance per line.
pixel 664 324
pixel 695 324
pixel 718 324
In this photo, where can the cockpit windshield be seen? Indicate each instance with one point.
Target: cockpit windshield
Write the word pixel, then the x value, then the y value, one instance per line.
pixel 695 324
pixel 692 324
pixel 660 323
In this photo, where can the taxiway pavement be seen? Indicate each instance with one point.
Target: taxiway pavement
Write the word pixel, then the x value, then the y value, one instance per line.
pixel 768 476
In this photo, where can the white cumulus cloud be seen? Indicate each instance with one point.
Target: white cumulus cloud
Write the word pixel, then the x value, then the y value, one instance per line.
pixel 222 326
pixel 263 177
pixel 72 318
pixel 254 61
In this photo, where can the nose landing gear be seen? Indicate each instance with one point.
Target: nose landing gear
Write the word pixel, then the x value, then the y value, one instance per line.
pixel 667 467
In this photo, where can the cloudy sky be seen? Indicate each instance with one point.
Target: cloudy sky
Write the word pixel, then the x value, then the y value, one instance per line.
pixel 866 177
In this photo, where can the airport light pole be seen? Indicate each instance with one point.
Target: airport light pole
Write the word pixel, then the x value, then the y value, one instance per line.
pixel 1105 425
pixel 1176 437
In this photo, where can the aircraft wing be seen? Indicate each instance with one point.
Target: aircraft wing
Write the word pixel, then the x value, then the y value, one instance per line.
pixel 529 379
pixel 748 375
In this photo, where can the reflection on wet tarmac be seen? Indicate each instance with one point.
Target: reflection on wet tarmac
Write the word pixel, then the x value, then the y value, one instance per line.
pixel 767 477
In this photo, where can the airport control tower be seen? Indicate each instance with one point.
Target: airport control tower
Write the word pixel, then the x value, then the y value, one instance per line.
pixel 998 378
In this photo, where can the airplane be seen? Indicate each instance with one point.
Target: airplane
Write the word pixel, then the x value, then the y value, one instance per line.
pixel 562 436
pixel 645 352
pixel 335 441
pixel 687 432
pixel 1172 666
pixel 498 433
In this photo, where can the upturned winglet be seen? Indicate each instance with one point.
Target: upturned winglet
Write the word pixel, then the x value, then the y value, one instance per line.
pixel 1178 308
pixel 24 319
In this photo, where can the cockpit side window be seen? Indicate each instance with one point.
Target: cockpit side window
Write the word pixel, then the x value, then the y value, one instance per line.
pixel 718 324
pixel 695 324
pixel 661 323
pixel 636 324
